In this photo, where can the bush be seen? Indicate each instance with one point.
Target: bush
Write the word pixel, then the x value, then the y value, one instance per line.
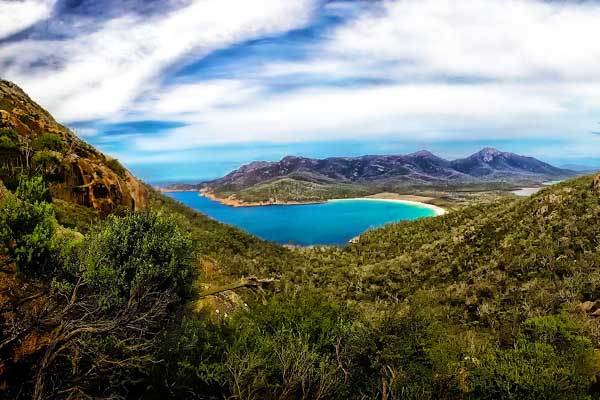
pixel 33 190
pixel 552 359
pixel 140 252
pixel 288 348
pixel 9 140
pixel 116 167
pixel 27 228
pixel 48 141
pixel 47 162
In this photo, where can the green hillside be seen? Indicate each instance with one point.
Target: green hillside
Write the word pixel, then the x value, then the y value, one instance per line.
pixel 497 300
pixel 493 301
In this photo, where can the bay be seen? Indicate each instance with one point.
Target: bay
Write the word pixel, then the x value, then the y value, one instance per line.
pixel 331 223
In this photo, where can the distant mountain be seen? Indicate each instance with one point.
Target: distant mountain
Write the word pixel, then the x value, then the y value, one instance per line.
pixel 420 168
pixel 581 167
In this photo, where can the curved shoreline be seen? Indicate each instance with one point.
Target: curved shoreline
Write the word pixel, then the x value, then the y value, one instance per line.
pixel 232 202
pixel 436 209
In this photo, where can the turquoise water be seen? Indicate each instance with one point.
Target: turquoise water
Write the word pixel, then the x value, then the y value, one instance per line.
pixel 334 222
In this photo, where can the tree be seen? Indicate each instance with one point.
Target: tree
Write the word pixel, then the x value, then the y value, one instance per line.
pixel 27 228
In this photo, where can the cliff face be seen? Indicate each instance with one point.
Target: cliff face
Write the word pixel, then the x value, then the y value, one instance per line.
pixel 79 173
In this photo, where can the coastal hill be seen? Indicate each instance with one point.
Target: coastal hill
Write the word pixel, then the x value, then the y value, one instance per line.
pixel 31 140
pixel 307 179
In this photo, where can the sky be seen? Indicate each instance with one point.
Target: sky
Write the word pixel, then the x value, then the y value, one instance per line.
pixel 186 90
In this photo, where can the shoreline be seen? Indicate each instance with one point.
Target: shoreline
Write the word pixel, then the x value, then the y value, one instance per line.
pixel 231 201
pixel 414 200
pixel 436 209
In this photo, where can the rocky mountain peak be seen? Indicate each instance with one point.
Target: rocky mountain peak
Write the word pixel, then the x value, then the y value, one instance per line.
pixel 422 154
pixel 489 154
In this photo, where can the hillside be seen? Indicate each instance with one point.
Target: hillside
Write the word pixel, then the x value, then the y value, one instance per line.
pixel 299 178
pixel 499 300
pixel 31 141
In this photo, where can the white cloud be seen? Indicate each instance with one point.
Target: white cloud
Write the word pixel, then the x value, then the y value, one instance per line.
pixel 99 74
pixel 530 69
pixel 198 98
pixel 16 15
pixel 501 39
pixel 412 112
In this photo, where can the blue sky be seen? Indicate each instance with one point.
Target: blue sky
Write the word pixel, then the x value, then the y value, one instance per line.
pixel 188 90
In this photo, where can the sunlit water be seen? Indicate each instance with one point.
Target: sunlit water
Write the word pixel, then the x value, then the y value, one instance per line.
pixel 333 222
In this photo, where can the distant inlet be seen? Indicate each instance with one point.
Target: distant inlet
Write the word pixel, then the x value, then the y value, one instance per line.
pixel 334 222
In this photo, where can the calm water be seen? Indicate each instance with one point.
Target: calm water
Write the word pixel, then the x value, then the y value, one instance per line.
pixel 334 222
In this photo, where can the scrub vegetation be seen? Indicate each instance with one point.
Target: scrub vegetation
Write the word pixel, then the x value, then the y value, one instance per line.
pixel 496 300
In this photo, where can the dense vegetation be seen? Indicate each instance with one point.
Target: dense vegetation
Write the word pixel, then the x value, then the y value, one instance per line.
pixel 287 190
pixel 492 301
pixel 298 190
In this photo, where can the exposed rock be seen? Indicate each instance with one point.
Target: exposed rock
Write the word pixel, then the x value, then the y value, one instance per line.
pixel 587 306
pixel 596 313
pixel 597 183
pixel 3 190
pixel 85 176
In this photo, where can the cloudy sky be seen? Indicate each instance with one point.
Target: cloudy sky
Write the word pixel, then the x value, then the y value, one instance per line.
pixel 188 89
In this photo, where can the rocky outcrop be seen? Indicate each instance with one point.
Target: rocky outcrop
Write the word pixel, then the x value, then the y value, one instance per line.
pixel 83 175
pixel 597 183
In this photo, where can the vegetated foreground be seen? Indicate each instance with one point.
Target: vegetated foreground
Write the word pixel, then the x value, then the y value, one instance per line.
pixel 496 300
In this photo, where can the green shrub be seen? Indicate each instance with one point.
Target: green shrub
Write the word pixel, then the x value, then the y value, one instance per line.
pixel 9 140
pixel 47 162
pixel 552 359
pixel 33 190
pixel 48 141
pixel 144 251
pixel 27 228
pixel 116 167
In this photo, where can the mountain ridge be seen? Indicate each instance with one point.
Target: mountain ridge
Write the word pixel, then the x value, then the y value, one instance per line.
pixel 418 168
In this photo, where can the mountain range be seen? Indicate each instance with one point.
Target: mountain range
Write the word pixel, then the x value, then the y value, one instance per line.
pixel 420 168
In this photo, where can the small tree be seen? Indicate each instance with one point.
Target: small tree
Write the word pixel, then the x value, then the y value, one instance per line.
pixel 27 227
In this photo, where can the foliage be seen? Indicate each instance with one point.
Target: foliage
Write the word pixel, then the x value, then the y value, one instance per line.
pixel 116 166
pixel 482 303
pixel 140 250
pixel 27 229
pixel 286 348
pixel 47 162
pixel 9 141
pixel 551 360
pixel 48 141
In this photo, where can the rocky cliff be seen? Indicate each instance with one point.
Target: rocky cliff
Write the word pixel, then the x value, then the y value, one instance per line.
pixel 32 141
